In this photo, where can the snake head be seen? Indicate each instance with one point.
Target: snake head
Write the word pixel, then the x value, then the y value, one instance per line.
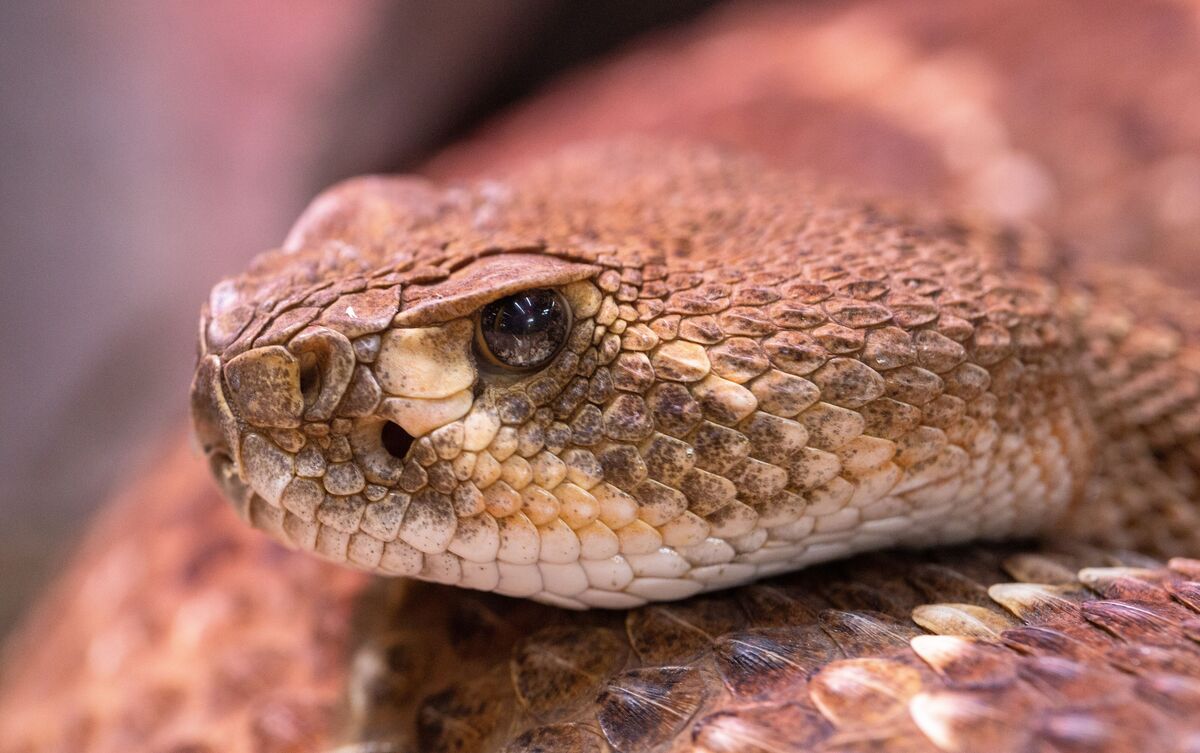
pixel 617 380
pixel 410 413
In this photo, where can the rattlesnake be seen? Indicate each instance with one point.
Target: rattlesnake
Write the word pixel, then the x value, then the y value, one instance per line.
pixel 638 372
pixel 733 373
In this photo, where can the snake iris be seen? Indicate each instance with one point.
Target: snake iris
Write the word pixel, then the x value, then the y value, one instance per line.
pixel 637 372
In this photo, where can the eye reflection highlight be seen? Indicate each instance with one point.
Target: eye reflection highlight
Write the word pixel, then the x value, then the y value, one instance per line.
pixel 524 331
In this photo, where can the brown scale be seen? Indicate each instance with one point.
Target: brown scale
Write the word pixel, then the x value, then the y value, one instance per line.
pixel 822 660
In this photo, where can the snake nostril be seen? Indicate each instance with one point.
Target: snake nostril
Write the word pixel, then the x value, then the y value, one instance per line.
pixel 395 439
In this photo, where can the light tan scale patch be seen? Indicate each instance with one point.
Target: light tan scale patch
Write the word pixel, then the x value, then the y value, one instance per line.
pixel 426 362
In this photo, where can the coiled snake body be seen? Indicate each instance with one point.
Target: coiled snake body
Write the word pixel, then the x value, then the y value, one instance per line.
pixel 635 373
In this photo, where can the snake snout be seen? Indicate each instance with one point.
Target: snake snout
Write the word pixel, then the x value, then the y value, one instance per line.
pixel 213 424
pixel 215 430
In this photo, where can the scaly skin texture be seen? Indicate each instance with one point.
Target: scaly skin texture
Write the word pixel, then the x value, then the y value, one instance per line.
pixel 1005 108
pixel 757 378
pixel 177 628
pixel 1021 651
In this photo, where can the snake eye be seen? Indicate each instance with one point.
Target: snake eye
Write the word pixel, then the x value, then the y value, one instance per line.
pixel 524 331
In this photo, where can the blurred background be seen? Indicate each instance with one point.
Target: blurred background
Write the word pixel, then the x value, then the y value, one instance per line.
pixel 150 148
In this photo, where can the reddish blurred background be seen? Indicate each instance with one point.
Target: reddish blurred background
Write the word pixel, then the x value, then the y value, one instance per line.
pixel 150 148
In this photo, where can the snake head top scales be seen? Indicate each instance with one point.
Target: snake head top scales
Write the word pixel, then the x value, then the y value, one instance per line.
pixel 630 374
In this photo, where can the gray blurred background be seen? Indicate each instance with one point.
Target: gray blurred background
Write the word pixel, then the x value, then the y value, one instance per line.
pixel 149 148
